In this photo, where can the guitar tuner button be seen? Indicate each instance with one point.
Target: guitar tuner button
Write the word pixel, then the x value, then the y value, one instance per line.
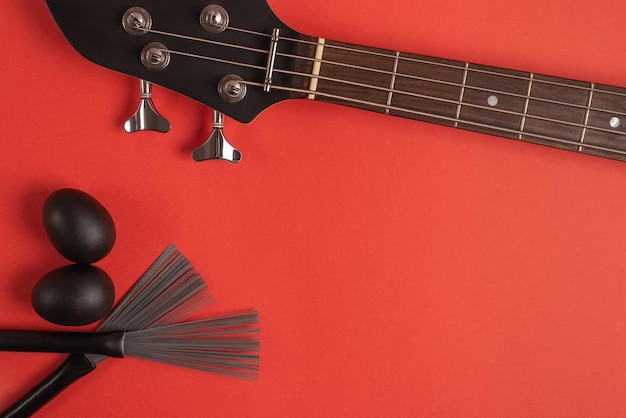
pixel 137 21
pixel 217 147
pixel 232 88
pixel 146 117
pixel 214 19
pixel 155 56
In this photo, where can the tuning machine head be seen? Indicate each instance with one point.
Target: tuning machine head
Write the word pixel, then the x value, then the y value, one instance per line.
pixel 146 117
pixel 231 89
pixel 217 147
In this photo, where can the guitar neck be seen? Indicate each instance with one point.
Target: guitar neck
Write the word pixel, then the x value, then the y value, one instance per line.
pixel 572 115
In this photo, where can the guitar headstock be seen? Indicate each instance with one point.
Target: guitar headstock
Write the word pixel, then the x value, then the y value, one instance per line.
pixel 216 52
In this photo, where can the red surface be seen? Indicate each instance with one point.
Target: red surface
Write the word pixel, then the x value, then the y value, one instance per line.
pixel 401 269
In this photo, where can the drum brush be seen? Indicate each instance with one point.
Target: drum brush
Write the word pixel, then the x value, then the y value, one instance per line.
pixel 168 292
pixel 227 345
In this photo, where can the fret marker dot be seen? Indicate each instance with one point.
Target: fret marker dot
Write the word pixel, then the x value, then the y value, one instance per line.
pixel 615 122
pixel 492 101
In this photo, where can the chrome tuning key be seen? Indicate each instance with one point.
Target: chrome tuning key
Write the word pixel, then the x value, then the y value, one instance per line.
pixel 217 147
pixel 146 117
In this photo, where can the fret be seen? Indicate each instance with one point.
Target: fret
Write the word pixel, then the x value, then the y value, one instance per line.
pixel 526 103
pixel 494 97
pixel 584 130
pixel 606 125
pixel 393 82
pixel 368 71
pixel 564 102
pixel 428 85
pixel 461 94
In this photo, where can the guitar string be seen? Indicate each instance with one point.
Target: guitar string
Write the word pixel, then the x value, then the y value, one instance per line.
pixel 207 41
pixel 578 146
pixel 462 85
pixel 391 55
pixel 388 72
pixel 576 143
pixel 409 76
pixel 223 61
pixel 525 134
pixel 400 92
pixel 458 102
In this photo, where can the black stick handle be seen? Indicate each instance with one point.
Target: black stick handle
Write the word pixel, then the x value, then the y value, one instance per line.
pixel 72 369
pixel 107 343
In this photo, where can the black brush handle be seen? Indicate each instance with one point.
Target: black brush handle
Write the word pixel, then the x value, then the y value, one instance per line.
pixel 106 343
pixel 72 369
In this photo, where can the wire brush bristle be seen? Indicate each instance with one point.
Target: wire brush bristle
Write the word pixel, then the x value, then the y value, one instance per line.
pixel 227 345
pixel 169 291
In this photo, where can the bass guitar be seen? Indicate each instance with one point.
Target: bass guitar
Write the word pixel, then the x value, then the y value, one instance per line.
pixel 238 58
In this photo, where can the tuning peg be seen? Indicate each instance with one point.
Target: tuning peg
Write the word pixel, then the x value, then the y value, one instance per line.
pixel 146 117
pixel 217 147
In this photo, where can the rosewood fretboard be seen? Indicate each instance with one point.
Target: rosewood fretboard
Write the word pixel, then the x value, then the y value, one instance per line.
pixel 562 113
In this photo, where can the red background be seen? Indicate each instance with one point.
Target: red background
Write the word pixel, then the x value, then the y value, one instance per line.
pixel 401 269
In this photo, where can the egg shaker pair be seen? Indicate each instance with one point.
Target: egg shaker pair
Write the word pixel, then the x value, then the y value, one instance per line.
pixel 82 230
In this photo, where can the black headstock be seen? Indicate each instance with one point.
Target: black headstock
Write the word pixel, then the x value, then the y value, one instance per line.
pixel 206 43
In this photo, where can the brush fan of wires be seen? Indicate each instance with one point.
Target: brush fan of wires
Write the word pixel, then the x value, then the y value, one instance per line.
pixel 227 345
